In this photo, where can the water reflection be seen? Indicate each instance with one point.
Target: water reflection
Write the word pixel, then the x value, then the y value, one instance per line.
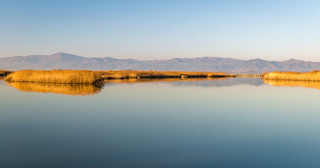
pixel 167 80
pixel 88 89
pixel 224 82
pixel 171 124
pixel 66 89
pixel 199 82
pixel 306 84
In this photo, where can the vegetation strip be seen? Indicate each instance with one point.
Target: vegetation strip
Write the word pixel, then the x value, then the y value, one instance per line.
pixel 294 76
pixel 97 77
pixel 56 76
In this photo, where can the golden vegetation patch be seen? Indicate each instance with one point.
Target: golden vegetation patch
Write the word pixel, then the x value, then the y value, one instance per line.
pixel 55 76
pixel 97 77
pixel 293 76
pixel 66 89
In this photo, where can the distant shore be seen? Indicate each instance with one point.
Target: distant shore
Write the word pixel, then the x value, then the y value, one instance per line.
pixel 97 77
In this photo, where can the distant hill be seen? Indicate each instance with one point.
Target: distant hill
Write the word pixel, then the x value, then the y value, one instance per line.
pixel 230 65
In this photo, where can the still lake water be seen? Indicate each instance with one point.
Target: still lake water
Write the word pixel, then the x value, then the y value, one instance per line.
pixel 199 123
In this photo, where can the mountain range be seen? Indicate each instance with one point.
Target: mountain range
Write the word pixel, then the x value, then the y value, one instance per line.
pixel 230 65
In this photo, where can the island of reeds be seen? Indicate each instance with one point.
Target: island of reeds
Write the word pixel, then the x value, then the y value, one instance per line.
pixel 97 77
pixel 55 76
pixel 293 76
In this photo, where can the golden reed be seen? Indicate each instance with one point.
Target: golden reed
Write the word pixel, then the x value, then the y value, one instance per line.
pixel 97 77
pixel 293 76
pixel 55 76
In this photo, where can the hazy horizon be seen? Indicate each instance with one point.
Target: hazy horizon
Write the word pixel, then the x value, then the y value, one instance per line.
pixel 145 30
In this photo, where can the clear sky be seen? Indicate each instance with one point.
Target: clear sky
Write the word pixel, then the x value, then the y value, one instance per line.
pixel 159 29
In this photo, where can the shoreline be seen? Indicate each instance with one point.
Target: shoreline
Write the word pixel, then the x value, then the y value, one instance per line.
pixel 98 77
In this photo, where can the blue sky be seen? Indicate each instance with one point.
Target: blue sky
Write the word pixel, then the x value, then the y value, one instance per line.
pixel 160 29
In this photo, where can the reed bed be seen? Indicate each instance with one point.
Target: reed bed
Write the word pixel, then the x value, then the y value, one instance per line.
pixel 66 89
pixel 97 77
pixel 55 76
pixel 288 83
pixel 293 76
pixel 159 74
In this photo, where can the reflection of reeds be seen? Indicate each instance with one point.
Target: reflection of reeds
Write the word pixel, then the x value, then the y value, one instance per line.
pixel 55 76
pixel 307 84
pixel 67 89
pixel 143 80
pixel 294 76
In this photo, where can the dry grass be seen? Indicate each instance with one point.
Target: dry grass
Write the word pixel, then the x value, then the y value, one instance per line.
pixel 94 77
pixel 158 74
pixel 293 76
pixel 287 83
pixel 55 76
pixel 66 89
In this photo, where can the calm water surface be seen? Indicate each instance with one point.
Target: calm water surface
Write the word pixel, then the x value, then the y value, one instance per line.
pixel 206 123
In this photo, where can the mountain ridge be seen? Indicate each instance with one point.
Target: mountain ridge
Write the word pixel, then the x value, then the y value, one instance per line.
pixel 62 60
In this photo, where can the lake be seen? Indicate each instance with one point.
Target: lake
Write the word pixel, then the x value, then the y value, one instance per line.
pixel 241 122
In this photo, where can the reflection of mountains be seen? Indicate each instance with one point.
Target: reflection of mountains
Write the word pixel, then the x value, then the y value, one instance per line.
pixel 151 80
pixel 208 82
pixel 306 84
pixel 67 89
pixel 225 82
